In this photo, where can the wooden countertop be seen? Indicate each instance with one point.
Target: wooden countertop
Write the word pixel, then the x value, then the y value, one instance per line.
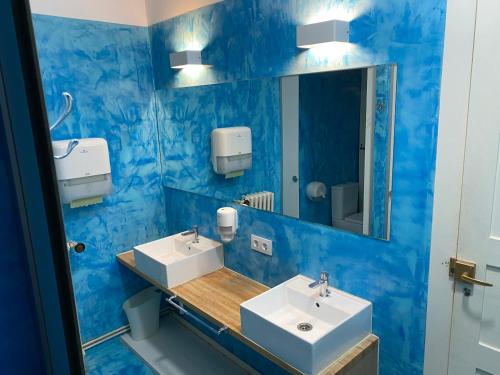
pixel 219 294
pixel 217 297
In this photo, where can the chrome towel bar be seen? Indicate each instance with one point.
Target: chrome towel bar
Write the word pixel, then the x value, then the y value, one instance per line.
pixel 170 300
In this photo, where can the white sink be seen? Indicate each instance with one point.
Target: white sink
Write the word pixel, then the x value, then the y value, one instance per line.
pixel 338 322
pixel 177 259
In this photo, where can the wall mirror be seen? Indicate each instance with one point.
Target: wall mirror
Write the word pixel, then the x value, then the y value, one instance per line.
pixel 321 145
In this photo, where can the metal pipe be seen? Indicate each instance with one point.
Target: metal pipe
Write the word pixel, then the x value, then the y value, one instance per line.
pixel 69 106
pixel 71 146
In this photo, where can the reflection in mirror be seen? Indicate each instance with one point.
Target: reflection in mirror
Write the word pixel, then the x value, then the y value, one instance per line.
pixel 321 145
pixel 337 137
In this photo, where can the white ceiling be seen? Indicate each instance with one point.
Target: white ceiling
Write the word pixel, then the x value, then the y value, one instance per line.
pixel 160 10
pixel 129 12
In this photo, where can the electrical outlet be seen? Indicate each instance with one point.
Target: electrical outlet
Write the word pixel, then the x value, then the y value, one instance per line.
pixel 262 245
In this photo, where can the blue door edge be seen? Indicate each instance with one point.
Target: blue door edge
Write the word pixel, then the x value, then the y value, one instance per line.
pixel 25 129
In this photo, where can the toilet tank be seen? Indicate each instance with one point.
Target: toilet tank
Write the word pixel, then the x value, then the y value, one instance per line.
pixel 344 200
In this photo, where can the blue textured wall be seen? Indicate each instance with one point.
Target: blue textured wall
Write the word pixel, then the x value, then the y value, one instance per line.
pixel 256 38
pixel 329 110
pixel 187 116
pixel 384 273
pixel 107 69
pixel 20 343
pixel 248 39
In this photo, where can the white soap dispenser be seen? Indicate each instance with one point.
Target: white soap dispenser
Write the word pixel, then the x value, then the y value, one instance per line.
pixel 227 223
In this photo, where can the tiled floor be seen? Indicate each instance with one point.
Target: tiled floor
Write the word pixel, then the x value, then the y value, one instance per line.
pixel 113 357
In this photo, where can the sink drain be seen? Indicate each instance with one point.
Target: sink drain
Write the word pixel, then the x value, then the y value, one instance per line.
pixel 304 327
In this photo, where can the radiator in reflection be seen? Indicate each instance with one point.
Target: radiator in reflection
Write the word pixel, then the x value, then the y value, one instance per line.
pixel 263 200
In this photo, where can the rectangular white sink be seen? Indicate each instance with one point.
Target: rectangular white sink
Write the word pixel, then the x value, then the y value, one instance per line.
pixel 177 259
pixel 330 325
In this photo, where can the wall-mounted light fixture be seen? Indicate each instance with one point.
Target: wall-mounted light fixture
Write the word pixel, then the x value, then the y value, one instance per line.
pixel 183 59
pixel 314 34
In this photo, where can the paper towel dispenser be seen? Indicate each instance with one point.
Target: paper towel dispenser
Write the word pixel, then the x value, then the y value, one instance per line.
pixel 84 176
pixel 232 150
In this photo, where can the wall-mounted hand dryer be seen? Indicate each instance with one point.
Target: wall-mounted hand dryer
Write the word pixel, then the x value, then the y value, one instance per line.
pixel 232 150
pixel 84 176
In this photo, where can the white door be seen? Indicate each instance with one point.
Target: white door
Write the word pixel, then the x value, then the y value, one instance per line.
pixel 475 337
pixel 290 136
pixel 368 99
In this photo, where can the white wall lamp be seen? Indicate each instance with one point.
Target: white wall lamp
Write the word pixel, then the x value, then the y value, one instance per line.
pixel 315 34
pixel 183 59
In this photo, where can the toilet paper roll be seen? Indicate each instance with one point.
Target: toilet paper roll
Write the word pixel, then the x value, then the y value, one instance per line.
pixel 316 191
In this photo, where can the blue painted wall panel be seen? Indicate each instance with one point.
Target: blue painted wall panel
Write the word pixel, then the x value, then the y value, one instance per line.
pixel 107 69
pixel 378 271
pixel 242 40
pixel 251 39
pixel 256 38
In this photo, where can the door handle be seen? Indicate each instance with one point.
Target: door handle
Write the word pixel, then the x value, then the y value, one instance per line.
pixel 466 278
pixel 465 271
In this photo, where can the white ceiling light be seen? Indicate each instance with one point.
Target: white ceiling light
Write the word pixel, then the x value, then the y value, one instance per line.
pixel 314 34
pixel 183 59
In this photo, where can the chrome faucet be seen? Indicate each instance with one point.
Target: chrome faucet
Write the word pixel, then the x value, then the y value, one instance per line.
pixel 322 283
pixel 194 231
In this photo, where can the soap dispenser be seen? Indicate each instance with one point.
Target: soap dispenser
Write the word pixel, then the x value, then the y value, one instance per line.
pixel 227 223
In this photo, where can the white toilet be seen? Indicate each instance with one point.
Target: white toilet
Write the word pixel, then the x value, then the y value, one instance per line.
pixel 345 213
